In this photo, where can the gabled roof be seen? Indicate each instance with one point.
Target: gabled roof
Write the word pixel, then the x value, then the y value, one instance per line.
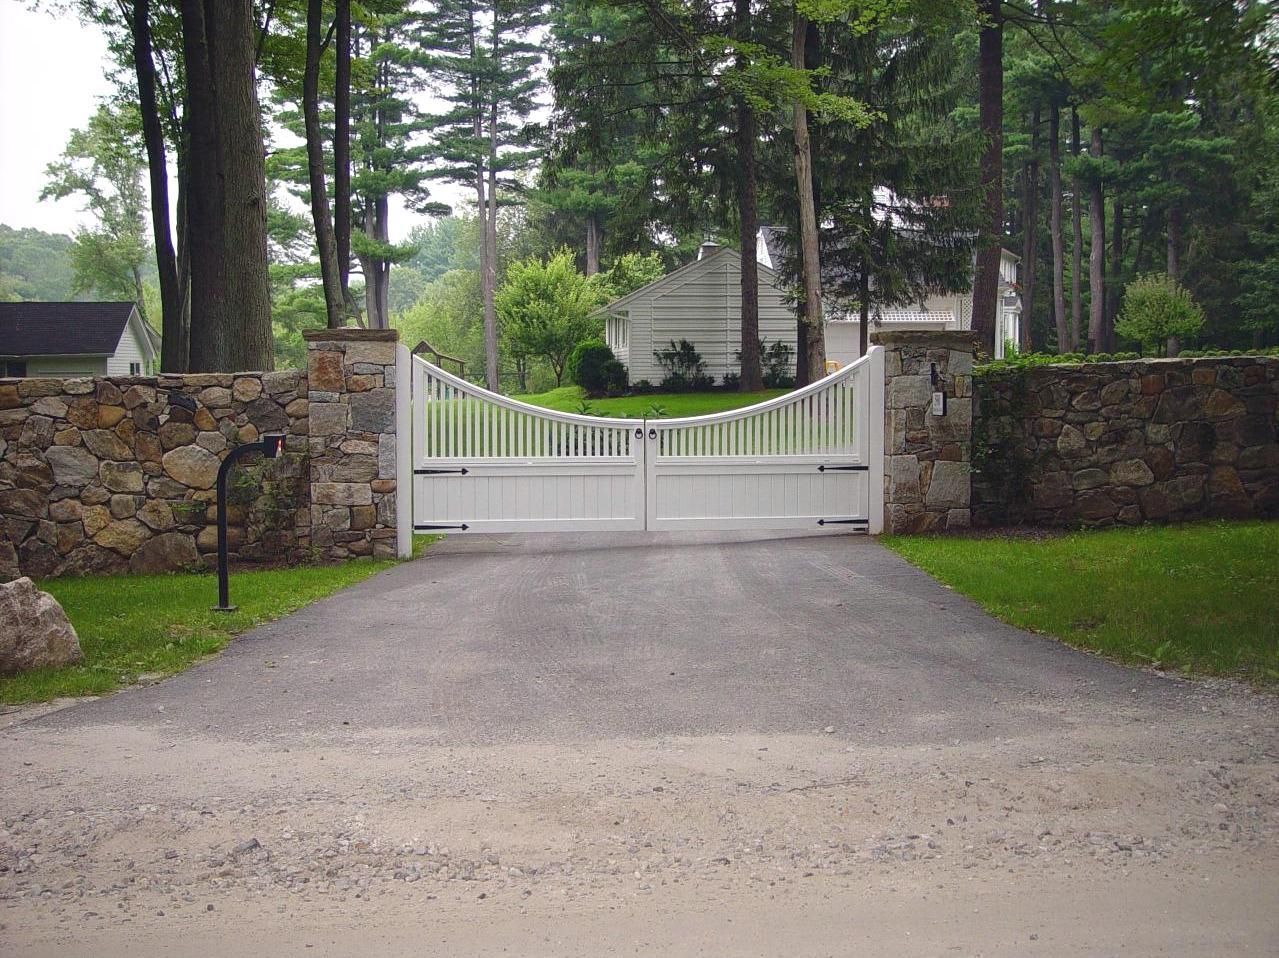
pixel 676 278
pixel 62 329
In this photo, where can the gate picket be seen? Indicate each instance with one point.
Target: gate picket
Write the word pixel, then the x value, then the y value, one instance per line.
pixel 812 458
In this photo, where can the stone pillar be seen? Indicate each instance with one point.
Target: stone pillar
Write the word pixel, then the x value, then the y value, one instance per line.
pixel 927 483
pixel 351 390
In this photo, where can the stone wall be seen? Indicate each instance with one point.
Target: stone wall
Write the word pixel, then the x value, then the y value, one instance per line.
pixel 109 475
pixel 1130 442
pixel 926 465
pixel 352 441
pixel 113 475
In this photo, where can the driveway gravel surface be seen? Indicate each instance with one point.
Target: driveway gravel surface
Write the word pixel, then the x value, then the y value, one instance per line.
pixel 676 744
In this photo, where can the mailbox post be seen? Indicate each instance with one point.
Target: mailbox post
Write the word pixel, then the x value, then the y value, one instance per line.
pixel 270 445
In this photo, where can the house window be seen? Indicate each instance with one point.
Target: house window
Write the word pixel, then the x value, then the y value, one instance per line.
pixel 135 369
pixel 14 368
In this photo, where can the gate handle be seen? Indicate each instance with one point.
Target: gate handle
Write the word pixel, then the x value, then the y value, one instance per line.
pixel 639 433
pixel 652 434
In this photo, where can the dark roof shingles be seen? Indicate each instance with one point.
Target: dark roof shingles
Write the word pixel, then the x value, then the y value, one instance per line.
pixel 62 329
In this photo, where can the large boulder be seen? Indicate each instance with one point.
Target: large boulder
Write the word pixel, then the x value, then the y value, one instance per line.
pixel 34 631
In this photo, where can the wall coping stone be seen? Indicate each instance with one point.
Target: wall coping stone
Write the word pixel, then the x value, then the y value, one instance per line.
pixel 351 334
pixel 937 339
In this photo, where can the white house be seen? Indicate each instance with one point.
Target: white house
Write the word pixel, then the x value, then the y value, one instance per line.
pixel 938 311
pixel 701 302
pixel 75 339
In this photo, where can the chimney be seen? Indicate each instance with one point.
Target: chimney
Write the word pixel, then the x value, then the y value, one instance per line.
pixel 706 249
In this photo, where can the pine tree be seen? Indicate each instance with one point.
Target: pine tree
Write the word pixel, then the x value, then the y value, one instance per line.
pixel 387 153
pixel 484 59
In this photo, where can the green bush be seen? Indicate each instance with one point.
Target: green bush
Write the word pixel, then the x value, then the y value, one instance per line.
pixel 685 369
pixel 588 366
pixel 614 374
pixel 1157 308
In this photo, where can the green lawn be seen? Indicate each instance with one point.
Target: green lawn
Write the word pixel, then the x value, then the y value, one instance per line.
pixel 1198 598
pixel 655 406
pixel 152 625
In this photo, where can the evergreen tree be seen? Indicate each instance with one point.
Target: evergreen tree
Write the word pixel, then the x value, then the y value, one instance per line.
pixel 389 155
pixel 484 60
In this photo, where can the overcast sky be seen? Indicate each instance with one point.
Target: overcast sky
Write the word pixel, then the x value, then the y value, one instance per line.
pixel 53 72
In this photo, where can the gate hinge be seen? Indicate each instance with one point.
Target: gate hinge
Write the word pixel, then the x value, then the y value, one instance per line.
pixel 843 468
pixel 843 522
pixel 440 472
pixel 428 527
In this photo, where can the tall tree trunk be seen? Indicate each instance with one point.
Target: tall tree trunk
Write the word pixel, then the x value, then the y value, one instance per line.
pixel 592 245
pixel 1098 338
pixel 1174 261
pixel 491 376
pixel 342 150
pixel 334 305
pixel 863 305
pixel 1114 285
pixel 173 345
pixel 752 376
pixel 1029 236
pixel 1077 250
pixel 815 340
pixel 1055 227
pixel 230 288
pixel 990 96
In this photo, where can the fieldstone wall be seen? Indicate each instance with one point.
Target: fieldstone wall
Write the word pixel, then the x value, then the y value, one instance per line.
pixel 117 475
pixel 351 375
pixel 1123 443
pixel 926 468
pixel 111 475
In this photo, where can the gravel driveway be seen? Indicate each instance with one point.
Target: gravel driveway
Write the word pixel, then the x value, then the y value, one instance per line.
pixel 666 744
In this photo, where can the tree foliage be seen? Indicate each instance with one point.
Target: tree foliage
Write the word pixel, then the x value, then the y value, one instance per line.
pixel 545 308
pixel 1155 308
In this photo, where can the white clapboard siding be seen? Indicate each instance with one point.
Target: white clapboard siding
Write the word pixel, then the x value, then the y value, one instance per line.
pixel 700 302
pixel 130 351
pixel 64 367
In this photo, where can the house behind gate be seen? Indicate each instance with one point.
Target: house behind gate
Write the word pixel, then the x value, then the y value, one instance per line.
pixel 701 302
pixel 75 339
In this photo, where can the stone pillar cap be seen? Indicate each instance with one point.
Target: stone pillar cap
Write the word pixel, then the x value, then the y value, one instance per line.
pixel 351 334
pixel 949 338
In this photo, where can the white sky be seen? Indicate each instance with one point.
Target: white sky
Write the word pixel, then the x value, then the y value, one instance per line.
pixel 53 72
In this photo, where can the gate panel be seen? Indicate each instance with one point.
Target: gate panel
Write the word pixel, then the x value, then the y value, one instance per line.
pixel 486 463
pixel 809 459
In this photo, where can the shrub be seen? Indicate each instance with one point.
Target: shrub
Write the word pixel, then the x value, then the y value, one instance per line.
pixel 732 382
pixel 588 367
pixel 685 370
pixel 614 375
pixel 1156 308
pixel 779 363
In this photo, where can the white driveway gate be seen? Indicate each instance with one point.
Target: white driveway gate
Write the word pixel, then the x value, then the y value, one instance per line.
pixel 811 459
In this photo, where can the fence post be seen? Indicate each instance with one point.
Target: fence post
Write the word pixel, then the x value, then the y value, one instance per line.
pixel 403 451
pixel 352 377
pixel 928 450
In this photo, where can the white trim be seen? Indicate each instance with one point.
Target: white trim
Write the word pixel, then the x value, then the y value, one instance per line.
pixel 403 451
pixel 876 412
pixel 809 459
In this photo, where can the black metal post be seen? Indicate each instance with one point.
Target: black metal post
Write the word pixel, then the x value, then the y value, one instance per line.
pixel 270 446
